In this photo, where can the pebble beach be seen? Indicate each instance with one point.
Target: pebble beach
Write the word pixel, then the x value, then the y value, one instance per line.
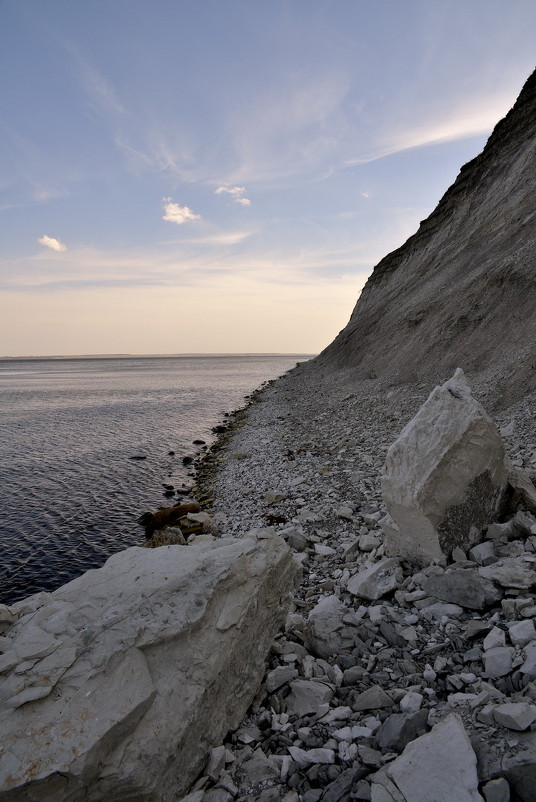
pixel 352 680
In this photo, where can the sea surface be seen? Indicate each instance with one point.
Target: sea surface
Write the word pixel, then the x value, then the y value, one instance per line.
pixel 70 490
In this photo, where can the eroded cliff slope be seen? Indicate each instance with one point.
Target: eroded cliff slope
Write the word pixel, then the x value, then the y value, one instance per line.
pixel 460 292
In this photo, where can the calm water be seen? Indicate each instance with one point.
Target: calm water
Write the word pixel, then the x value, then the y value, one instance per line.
pixel 70 493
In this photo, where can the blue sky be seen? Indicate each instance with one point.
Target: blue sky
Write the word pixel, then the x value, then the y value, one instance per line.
pixel 222 175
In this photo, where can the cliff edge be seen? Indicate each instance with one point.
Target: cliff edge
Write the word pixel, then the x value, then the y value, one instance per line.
pixel 460 291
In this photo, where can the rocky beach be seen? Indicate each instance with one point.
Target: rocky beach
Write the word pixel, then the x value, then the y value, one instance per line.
pixel 353 617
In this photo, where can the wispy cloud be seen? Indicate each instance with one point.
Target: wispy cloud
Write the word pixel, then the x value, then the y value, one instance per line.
pixel 223 238
pixel 468 118
pixel 174 213
pixel 237 194
pixel 52 243
pixel 289 131
pixel 101 95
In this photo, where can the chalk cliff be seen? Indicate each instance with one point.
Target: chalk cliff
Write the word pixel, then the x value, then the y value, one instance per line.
pixel 460 292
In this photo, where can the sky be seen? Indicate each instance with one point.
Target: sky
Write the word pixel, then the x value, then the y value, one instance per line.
pixel 221 176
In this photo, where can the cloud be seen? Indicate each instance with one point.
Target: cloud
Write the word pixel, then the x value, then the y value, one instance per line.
pixel 174 213
pixel 469 117
pixel 52 243
pixel 236 193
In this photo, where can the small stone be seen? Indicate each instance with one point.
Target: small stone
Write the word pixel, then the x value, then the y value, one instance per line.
pixel 463 586
pixel 495 638
pixel 376 580
pixel 369 542
pixel 429 674
pixel 458 554
pixel 511 572
pixel 485 716
pixel 280 676
pixel 325 634
pixel 323 551
pixel 345 512
pixel 411 702
pixel 522 632
pixel 483 553
pixel 375 614
pixel 199 517
pixel 216 762
pixel 476 627
pixel 372 699
pixel 273 497
pixel 497 790
pixel 529 666
pixel 343 734
pixel 370 757
pixel 498 661
pixel 307 696
pixel 515 715
pixel 498 531
pixel 525 522
pixel 399 729
pixel 306 758
pixel 434 611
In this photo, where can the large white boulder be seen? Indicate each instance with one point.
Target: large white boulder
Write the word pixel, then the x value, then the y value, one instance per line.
pixel 117 685
pixel 445 476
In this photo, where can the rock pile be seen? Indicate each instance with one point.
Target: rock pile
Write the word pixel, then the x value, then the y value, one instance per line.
pixel 383 664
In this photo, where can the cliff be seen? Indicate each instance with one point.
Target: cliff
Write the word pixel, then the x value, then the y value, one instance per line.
pixel 460 291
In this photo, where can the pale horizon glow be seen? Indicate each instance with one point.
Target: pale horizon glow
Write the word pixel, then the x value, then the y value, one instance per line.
pixel 222 178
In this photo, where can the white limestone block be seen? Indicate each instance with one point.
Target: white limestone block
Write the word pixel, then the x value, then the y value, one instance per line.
pixel 160 653
pixel 444 477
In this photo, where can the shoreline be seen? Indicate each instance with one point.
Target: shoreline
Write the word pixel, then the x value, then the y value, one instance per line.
pixel 306 464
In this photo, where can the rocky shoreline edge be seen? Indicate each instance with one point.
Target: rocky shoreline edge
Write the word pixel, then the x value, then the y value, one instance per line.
pixel 306 452
pixel 301 661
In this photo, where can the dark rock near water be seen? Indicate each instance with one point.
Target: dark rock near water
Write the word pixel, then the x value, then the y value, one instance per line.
pixel 166 516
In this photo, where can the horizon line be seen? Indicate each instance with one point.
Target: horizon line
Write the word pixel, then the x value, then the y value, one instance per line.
pixel 155 356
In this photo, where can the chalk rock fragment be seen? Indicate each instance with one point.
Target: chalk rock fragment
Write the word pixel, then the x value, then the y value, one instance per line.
pixel 376 580
pixel 440 765
pixel 306 696
pixel 498 661
pixel 445 476
pixel 511 572
pixel 325 633
pixel 463 586
pixel 522 632
pixel 515 715
pixel 138 669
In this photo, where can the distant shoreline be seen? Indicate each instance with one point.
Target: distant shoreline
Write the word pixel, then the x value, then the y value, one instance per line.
pixel 144 356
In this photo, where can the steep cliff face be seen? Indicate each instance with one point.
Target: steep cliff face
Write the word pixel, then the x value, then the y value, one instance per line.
pixel 462 290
